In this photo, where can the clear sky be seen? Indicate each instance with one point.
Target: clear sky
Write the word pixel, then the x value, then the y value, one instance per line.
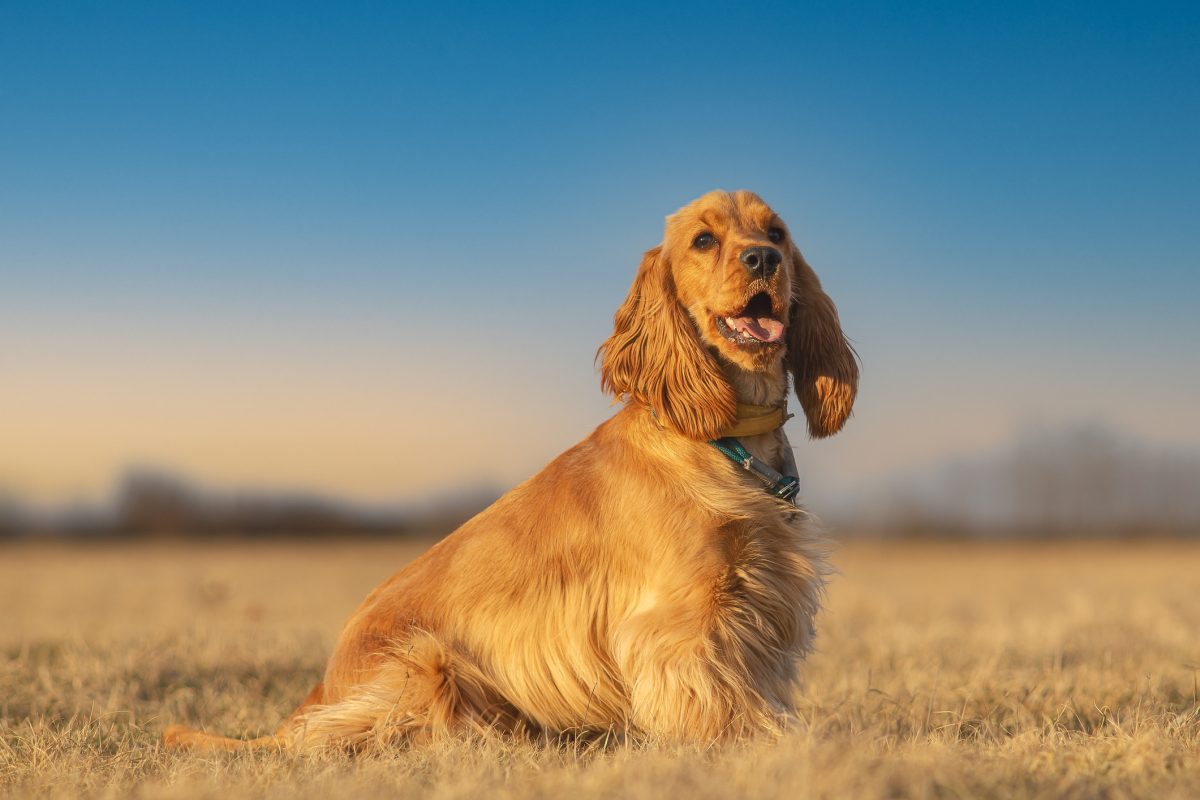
pixel 370 249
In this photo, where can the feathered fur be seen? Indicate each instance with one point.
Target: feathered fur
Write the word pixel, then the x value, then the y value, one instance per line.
pixel 640 584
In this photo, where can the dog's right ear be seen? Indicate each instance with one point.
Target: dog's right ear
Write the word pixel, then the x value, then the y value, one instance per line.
pixel 655 357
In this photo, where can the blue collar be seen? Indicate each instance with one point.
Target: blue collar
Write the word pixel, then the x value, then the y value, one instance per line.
pixel 785 487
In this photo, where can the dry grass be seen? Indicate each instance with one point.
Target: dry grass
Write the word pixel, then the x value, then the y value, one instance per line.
pixel 944 671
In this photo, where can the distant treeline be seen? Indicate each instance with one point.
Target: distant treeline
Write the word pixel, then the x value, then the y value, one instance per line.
pixel 1072 482
pixel 1066 482
pixel 149 504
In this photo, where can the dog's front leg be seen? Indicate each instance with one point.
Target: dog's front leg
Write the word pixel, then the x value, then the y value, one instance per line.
pixel 681 686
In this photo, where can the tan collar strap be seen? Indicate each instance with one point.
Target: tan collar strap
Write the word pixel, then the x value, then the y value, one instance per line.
pixel 753 420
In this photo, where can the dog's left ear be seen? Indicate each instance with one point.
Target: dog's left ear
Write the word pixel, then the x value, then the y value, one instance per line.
pixel 655 357
pixel 823 365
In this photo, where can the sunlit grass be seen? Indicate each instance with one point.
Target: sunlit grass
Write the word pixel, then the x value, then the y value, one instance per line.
pixel 943 671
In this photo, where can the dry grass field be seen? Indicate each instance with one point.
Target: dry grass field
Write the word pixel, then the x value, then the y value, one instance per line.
pixel 944 670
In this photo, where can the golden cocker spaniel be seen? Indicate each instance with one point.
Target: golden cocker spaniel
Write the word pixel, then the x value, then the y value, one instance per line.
pixel 655 580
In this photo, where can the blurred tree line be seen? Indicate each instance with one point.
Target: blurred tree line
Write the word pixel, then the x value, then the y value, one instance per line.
pixel 1073 482
pixel 1077 481
pixel 155 505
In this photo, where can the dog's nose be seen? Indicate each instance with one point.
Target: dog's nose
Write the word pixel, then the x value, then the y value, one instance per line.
pixel 761 261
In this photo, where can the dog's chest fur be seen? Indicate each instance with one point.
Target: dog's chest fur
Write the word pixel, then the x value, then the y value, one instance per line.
pixel 745 625
pixel 766 598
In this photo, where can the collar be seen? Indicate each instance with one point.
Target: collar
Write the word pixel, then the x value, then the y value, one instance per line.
pixel 753 420
pixel 785 487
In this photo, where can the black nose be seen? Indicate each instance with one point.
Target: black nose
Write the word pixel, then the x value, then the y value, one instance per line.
pixel 761 261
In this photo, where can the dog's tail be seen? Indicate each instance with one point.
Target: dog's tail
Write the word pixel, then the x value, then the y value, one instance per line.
pixel 178 737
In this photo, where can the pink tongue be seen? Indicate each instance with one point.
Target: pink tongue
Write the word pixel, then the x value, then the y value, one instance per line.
pixel 764 329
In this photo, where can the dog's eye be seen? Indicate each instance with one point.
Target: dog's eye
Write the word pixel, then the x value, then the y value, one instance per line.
pixel 776 235
pixel 704 241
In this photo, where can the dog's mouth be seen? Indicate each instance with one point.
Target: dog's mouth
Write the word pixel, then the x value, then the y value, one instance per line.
pixel 754 325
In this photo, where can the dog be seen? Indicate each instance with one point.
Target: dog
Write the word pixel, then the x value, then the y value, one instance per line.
pixel 655 581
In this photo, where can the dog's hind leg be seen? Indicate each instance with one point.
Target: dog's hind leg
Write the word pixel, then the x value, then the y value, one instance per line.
pixel 423 690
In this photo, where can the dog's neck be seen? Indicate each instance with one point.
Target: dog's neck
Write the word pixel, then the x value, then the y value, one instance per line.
pixel 768 388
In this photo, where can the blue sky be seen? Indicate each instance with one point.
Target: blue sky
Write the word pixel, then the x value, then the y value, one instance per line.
pixel 291 244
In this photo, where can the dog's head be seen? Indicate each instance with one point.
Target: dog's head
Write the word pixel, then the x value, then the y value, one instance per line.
pixel 729 285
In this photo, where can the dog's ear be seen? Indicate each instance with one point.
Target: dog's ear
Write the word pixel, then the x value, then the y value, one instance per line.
pixel 656 358
pixel 824 367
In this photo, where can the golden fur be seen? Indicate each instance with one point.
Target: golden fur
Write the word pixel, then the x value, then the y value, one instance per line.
pixel 641 583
